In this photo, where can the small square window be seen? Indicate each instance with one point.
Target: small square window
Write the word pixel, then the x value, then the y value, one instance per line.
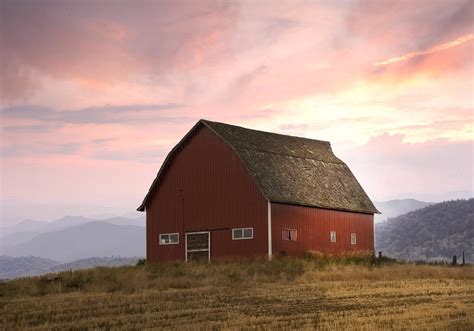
pixel 289 234
pixel 238 234
pixel 332 236
pixel 174 238
pixel 353 239
pixel 169 238
pixel 248 233
pixel 164 239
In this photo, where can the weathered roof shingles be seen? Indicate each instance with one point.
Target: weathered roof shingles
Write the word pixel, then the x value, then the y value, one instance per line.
pixel 293 170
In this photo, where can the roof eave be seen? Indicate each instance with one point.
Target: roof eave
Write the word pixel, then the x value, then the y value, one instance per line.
pixel 360 211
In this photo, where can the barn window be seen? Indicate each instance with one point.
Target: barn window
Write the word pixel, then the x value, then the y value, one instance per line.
pixel 332 236
pixel 169 238
pixel 242 233
pixel 289 234
pixel 353 239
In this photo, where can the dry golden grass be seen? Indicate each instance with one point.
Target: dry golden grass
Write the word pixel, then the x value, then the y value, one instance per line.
pixel 286 293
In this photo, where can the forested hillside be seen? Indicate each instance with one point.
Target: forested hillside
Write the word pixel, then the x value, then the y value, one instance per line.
pixel 435 232
pixel 394 208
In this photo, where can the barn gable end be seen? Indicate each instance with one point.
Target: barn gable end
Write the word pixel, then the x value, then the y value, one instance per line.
pixel 204 187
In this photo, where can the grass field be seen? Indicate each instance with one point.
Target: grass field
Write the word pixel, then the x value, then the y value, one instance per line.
pixel 285 293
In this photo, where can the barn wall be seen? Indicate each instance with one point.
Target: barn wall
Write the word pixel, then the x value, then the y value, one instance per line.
pixel 206 187
pixel 313 226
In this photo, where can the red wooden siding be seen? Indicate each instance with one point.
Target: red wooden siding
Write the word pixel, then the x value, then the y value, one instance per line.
pixel 313 226
pixel 206 187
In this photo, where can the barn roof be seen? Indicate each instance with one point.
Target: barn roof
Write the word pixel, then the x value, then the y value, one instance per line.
pixel 290 169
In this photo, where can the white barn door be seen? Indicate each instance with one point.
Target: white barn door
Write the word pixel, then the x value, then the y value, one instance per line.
pixel 198 246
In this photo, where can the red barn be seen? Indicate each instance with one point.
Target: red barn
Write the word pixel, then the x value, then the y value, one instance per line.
pixel 225 191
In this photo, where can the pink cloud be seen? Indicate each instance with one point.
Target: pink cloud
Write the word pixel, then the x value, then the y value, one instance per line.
pixel 97 44
pixel 387 166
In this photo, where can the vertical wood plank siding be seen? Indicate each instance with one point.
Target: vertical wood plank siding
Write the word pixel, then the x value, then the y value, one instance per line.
pixel 313 226
pixel 206 187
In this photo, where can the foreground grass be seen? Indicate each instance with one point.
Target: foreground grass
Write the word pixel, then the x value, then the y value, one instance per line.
pixel 285 293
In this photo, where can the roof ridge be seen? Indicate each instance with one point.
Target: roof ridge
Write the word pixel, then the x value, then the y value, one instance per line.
pixel 267 132
pixel 290 155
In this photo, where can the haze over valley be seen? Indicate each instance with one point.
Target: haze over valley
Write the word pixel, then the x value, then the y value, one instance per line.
pixel 407 229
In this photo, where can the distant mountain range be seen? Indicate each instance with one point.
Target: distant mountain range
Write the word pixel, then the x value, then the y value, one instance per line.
pixel 437 196
pixel 407 229
pixel 28 229
pixel 394 208
pixel 13 267
pixel 96 238
pixel 34 226
pixel 436 232
pixel 74 237
pixel 72 242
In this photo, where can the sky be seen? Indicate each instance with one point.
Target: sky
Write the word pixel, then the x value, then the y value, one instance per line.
pixel 94 94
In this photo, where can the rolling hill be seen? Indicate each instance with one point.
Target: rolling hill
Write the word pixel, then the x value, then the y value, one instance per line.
pixel 436 232
pixel 282 294
pixel 13 267
pixel 92 239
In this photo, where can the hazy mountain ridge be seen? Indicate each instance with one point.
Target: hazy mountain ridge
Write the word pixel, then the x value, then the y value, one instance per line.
pixel 13 267
pixel 29 225
pixel 436 232
pixel 394 208
pixel 28 229
pixel 41 226
pixel 86 240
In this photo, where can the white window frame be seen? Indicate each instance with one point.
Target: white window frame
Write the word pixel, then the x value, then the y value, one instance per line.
pixel 331 236
pixel 243 231
pixel 169 234
pixel 354 236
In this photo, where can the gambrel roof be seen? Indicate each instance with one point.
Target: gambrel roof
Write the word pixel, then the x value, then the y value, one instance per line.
pixel 289 169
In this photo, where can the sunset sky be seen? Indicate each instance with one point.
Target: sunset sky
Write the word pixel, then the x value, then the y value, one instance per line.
pixel 94 94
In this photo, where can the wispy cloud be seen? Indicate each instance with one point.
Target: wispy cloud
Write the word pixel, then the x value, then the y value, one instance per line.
pixel 124 114
pixel 435 49
pixel 35 148
pixel 101 141
pixel 149 154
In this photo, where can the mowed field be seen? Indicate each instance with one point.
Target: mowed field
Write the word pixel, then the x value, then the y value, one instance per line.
pixel 288 293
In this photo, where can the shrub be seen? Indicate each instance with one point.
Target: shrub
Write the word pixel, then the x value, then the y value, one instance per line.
pixel 77 280
pixel 140 263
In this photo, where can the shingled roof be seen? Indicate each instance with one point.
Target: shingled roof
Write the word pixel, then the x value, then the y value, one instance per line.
pixel 290 169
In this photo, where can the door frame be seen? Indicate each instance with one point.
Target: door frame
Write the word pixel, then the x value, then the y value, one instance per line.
pixel 197 250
